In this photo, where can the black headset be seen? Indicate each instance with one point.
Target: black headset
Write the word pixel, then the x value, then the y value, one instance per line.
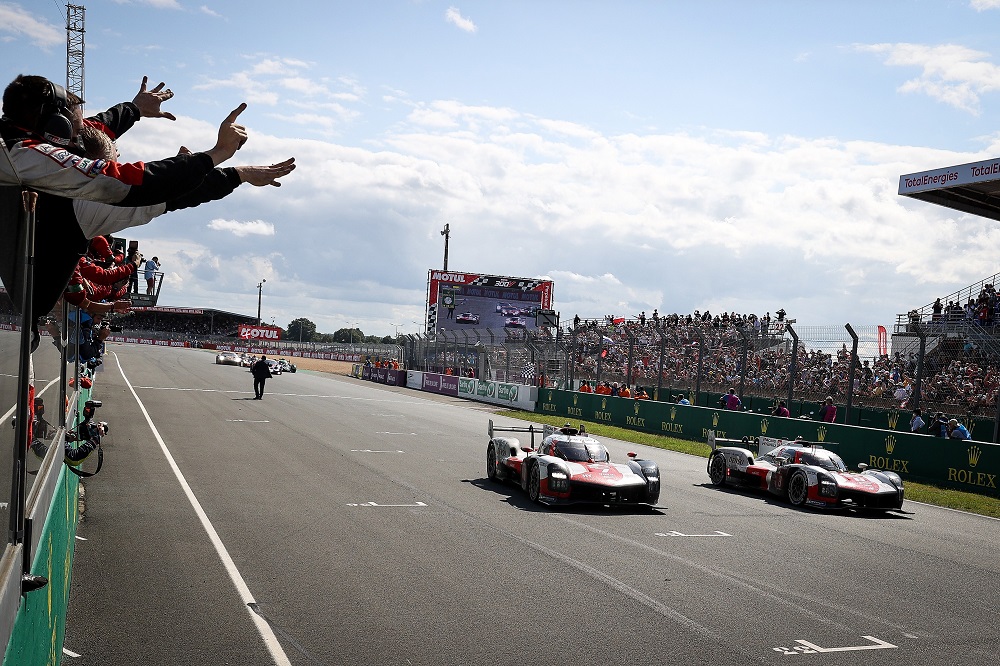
pixel 54 123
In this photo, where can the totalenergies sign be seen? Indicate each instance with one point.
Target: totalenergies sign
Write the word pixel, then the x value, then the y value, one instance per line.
pixel 248 332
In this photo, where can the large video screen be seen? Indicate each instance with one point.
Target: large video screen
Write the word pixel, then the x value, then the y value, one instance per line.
pixel 457 300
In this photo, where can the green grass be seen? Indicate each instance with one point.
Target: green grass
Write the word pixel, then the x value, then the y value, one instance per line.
pixel 918 492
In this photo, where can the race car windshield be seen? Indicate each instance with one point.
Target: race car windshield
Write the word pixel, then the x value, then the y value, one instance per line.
pixel 828 461
pixel 580 452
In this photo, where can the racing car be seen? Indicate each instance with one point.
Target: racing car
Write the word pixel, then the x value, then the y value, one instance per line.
pixel 802 472
pixel 569 467
pixel 514 322
pixel 467 318
pixel 228 358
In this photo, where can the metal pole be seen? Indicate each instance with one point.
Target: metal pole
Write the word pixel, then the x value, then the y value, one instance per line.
pixel 260 289
pixel 659 365
pixel 850 373
pixel 15 532
pixel 791 366
pixel 917 394
pixel 746 349
pixel 701 358
pixel 447 234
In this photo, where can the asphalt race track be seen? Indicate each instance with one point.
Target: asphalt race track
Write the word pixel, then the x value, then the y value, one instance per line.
pixel 358 522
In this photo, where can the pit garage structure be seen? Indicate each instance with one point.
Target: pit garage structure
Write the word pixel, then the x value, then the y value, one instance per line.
pixel 972 188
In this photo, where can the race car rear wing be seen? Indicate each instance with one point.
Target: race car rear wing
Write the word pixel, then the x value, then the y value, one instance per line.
pixel 533 429
pixel 545 430
pixel 763 445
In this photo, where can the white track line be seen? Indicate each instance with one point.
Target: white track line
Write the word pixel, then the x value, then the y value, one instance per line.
pixel 263 628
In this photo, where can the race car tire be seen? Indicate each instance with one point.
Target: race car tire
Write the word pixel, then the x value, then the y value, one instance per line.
pixel 534 483
pixel 717 470
pixel 798 488
pixel 491 463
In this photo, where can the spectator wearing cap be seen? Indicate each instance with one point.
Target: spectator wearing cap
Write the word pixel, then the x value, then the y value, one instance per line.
pixel 916 421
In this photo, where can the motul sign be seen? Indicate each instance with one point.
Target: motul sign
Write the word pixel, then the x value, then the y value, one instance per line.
pixel 248 332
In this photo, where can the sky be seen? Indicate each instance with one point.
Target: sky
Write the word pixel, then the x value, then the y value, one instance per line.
pixel 730 156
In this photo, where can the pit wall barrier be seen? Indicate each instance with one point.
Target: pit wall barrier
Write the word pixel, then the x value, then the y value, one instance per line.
pixel 963 465
pixel 40 623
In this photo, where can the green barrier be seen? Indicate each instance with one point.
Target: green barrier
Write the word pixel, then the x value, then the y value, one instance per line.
pixel 40 626
pixel 971 466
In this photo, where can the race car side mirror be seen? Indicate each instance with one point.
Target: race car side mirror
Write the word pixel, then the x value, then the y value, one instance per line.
pixel 527 449
pixel 863 467
pixel 631 454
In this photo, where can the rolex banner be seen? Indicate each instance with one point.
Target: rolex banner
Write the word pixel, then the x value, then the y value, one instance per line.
pixel 971 466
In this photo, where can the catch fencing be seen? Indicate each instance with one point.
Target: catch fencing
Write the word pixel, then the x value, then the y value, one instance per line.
pixel 875 378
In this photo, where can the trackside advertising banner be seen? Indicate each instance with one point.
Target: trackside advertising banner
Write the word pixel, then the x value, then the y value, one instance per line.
pixel 963 174
pixel 385 376
pixel 521 396
pixel 435 383
pixel 250 332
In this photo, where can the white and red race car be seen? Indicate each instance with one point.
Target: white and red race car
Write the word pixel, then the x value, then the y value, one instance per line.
pixel 570 467
pixel 802 472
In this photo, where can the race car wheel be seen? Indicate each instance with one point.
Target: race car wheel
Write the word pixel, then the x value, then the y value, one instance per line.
pixel 534 484
pixel 491 463
pixel 717 470
pixel 798 488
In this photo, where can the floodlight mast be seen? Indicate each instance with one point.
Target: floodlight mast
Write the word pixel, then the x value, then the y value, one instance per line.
pixel 446 232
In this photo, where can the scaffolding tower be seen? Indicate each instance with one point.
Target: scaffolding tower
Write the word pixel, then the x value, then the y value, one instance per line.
pixel 75 15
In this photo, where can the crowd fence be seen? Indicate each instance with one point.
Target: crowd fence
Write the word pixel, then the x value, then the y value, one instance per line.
pixel 875 379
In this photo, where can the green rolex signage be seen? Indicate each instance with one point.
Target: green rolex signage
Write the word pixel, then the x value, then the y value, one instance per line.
pixel 968 465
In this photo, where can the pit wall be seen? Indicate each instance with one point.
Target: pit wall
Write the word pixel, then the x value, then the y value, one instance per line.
pixel 39 625
pixel 963 465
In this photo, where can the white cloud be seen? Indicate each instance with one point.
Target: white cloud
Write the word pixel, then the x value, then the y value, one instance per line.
pixel 953 74
pixel 983 5
pixel 453 16
pixel 205 9
pixel 236 228
pixel 621 222
pixel 19 22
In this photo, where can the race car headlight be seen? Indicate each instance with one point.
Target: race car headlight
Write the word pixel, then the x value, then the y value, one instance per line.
pixel 827 487
pixel 558 479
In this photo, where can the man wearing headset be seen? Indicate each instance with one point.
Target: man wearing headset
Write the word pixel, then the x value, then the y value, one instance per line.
pixel 40 130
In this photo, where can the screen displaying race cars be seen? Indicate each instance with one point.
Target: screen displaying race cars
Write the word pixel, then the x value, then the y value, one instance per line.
pixel 457 300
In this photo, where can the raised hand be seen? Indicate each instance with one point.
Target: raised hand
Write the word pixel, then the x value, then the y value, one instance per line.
pixel 149 101
pixel 232 136
pixel 258 176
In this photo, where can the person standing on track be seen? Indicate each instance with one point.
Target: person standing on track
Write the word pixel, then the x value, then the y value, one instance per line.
pixel 261 373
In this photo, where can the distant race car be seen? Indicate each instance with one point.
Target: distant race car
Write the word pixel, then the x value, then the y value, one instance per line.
pixel 467 318
pixel 501 305
pixel 804 473
pixel 510 310
pixel 514 322
pixel 286 366
pixel 569 467
pixel 274 366
pixel 228 358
